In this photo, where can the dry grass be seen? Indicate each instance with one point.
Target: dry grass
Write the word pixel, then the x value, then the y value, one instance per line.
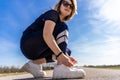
pixel 10 74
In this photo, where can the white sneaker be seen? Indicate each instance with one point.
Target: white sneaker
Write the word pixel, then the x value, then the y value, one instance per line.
pixel 62 71
pixel 34 69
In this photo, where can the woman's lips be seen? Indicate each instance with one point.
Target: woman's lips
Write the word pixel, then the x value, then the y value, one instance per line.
pixel 67 10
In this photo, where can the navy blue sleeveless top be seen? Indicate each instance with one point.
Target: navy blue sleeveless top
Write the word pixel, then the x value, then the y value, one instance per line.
pixel 38 24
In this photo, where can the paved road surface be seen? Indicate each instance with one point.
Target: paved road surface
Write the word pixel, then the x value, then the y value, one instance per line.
pixel 91 74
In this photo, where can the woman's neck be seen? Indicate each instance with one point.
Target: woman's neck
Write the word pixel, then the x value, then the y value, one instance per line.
pixel 62 18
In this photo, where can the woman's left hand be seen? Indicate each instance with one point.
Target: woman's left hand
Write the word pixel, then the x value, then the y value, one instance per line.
pixel 74 61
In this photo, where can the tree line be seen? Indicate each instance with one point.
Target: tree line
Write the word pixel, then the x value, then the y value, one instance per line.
pixel 103 66
pixel 13 69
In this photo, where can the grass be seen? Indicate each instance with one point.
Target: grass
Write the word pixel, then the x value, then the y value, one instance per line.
pixel 114 67
pixel 105 66
pixel 10 74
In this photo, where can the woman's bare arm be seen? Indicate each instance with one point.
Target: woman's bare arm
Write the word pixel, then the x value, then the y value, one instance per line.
pixel 50 41
pixel 49 38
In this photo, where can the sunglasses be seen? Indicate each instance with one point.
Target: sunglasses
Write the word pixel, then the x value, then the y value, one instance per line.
pixel 66 4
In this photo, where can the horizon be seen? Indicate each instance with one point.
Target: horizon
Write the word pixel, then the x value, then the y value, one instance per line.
pixel 94 33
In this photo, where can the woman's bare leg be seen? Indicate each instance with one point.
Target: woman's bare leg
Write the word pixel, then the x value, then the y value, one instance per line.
pixel 39 61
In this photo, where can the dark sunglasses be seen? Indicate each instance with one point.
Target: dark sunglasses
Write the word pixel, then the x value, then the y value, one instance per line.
pixel 66 4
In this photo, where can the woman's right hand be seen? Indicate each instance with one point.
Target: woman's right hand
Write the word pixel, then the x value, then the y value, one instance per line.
pixel 63 59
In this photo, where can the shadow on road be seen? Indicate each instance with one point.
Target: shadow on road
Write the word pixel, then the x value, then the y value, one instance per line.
pixel 46 78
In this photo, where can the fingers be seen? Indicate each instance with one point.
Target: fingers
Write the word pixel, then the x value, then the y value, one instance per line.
pixel 69 63
pixel 73 60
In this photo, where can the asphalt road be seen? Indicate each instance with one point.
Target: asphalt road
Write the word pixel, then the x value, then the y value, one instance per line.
pixel 91 74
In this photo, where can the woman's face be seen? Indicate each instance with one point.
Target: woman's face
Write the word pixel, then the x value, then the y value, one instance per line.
pixel 66 7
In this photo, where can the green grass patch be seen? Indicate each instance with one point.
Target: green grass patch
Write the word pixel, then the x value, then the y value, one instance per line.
pixel 104 66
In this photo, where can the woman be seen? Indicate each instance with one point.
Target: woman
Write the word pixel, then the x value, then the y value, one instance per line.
pixel 48 35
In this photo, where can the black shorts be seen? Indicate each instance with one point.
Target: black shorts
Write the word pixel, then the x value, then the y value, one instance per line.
pixel 34 47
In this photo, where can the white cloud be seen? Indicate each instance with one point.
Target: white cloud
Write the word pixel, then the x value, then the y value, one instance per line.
pixel 110 10
pixel 96 4
pixel 106 18
pixel 97 51
pixel 104 46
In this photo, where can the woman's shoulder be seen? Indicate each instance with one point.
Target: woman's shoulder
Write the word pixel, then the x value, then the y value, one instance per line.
pixel 51 15
pixel 52 11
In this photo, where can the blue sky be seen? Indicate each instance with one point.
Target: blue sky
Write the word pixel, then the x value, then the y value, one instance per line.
pixel 94 36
